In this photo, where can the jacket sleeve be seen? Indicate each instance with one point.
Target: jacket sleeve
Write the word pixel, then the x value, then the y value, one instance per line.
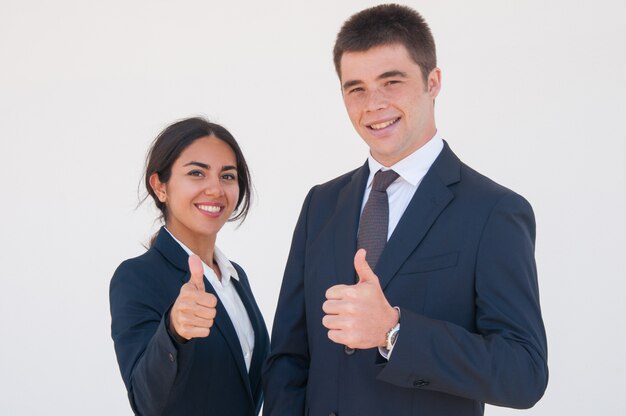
pixel 148 356
pixel 504 362
pixel 286 370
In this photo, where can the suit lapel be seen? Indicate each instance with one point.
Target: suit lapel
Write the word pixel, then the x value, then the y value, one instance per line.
pixel 259 330
pixel 430 199
pixel 346 223
pixel 225 326
pixel 175 254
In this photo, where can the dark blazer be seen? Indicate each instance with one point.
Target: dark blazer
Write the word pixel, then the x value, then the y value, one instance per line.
pixel 204 376
pixel 460 265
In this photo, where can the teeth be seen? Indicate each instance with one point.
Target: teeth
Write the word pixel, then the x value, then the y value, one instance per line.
pixel 383 125
pixel 210 208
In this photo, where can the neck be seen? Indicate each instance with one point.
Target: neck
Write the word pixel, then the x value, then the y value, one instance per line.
pixel 201 245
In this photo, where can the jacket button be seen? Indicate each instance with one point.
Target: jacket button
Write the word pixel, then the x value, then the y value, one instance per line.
pixel 171 357
pixel 420 383
pixel 348 350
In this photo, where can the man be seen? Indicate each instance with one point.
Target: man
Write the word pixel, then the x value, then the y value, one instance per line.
pixel 406 293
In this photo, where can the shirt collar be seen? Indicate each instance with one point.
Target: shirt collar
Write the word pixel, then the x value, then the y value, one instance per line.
pixel 227 269
pixel 413 167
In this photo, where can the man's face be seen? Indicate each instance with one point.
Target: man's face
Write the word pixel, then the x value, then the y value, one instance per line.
pixel 387 101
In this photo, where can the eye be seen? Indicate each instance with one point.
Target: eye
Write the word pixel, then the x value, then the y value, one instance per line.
pixel 355 90
pixel 196 172
pixel 229 177
pixel 391 82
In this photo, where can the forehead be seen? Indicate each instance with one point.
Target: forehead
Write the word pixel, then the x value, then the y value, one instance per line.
pixel 375 61
pixel 206 149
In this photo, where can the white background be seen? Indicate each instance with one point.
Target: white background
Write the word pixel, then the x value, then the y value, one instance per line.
pixel 533 96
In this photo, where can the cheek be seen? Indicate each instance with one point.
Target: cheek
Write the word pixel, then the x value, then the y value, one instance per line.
pixel 236 196
pixel 419 103
pixel 233 195
pixel 353 108
pixel 184 194
pixel 355 119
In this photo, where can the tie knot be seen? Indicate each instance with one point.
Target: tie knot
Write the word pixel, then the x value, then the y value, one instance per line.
pixel 383 179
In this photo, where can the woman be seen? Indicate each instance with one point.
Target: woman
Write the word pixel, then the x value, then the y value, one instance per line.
pixel 188 334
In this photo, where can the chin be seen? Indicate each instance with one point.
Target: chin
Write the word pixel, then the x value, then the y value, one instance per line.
pixel 206 232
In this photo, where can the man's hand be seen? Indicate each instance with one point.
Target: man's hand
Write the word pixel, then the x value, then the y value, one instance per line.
pixel 194 309
pixel 359 315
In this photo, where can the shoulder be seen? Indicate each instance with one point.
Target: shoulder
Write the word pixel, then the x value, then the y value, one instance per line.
pixel 335 185
pixel 486 187
pixel 325 199
pixel 468 184
pixel 489 197
pixel 325 195
pixel 149 260
pixel 144 273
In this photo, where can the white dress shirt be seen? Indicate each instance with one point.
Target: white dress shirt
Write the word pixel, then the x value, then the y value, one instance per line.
pixel 229 297
pixel 412 170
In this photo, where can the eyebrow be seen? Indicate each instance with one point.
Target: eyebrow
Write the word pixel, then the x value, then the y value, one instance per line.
pixel 392 74
pixel 350 84
pixel 205 166
pixel 198 164
pixel 384 75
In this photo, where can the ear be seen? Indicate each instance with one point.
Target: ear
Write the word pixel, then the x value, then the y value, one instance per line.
pixel 158 187
pixel 434 83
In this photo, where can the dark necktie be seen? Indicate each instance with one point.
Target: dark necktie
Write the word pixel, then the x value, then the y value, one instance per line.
pixel 374 223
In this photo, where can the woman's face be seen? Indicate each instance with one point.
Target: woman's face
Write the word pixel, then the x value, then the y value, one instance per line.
pixel 202 191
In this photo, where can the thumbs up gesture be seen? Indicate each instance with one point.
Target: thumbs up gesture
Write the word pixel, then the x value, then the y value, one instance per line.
pixel 194 309
pixel 359 315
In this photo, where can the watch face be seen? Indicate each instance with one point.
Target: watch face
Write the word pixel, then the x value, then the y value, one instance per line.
pixel 392 335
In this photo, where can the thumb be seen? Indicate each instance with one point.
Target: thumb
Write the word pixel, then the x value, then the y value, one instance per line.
pixel 197 272
pixel 363 269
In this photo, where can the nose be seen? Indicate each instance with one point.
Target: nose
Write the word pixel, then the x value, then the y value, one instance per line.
pixel 375 100
pixel 213 187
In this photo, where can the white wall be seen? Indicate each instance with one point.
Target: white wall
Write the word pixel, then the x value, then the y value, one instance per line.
pixel 533 96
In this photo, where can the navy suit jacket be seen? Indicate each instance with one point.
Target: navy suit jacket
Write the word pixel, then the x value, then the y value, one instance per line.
pixel 460 265
pixel 204 376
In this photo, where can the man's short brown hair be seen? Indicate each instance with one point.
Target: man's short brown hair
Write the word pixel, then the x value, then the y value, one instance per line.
pixel 387 24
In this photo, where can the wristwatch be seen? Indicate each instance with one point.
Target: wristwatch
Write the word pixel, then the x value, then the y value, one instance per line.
pixel 392 335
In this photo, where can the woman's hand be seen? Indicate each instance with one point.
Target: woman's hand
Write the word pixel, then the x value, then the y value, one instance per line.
pixel 194 309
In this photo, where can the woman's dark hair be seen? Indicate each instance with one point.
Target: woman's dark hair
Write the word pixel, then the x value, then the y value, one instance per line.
pixel 174 139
